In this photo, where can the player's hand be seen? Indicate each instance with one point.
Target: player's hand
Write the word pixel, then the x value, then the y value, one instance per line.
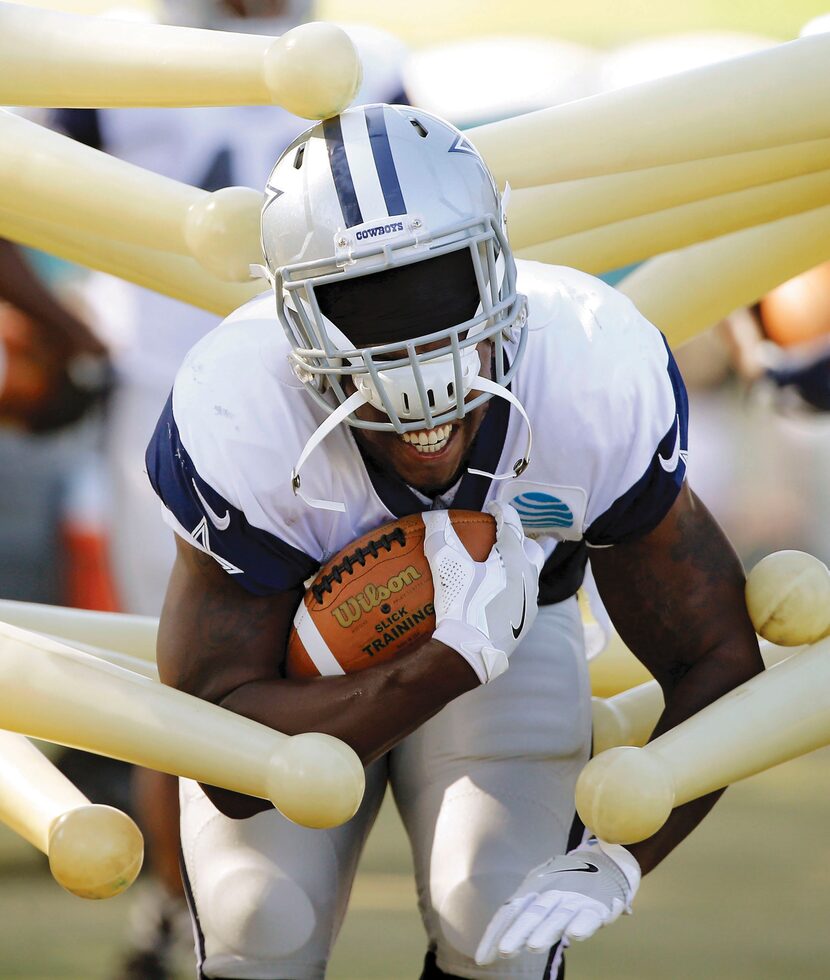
pixel 567 898
pixel 44 385
pixel 483 609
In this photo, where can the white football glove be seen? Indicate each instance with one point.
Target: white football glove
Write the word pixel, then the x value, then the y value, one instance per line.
pixel 483 609
pixel 568 897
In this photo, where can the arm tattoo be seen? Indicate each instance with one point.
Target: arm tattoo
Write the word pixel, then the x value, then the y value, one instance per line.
pixel 225 622
pixel 697 546
pixel 665 592
pixel 220 635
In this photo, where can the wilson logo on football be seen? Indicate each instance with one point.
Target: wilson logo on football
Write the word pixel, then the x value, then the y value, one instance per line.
pixel 350 611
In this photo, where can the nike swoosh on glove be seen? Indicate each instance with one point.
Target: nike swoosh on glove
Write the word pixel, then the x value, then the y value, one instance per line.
pixel 511 614
pixel 483 609
pixel 567 898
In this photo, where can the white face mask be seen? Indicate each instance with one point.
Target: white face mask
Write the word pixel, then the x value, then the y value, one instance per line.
pixel 358 398
pixel 400 386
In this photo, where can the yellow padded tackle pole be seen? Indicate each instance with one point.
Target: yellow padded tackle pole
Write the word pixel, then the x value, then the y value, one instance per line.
pixel 59 59
pixel 539 214
pixel 48 177
pixel 766 99
pixel 171 275
pixel 624 242
pixel 685 292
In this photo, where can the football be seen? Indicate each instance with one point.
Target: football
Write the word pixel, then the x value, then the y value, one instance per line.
pixel 373 600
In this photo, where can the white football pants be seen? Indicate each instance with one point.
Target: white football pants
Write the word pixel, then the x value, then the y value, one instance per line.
pixel 486 792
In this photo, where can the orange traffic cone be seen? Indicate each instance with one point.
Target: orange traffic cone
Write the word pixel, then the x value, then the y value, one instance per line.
pixel 88 580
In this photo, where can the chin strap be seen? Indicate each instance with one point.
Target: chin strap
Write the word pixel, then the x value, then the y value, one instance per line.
pixel 485 384
pixel 261 272
pixel 358 398
pixel 340 414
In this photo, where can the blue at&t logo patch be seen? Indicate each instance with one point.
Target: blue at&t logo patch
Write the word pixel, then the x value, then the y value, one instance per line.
pixel 542 510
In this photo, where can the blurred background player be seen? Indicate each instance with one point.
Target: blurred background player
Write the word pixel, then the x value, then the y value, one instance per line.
pixel 53 368
pixel 55 377
pixel 760 462
pixel 54 373
pixel 763 473
pixel 148 336
pixel 784 342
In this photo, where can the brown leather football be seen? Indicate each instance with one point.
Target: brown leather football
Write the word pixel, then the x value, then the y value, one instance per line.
pixel 373 600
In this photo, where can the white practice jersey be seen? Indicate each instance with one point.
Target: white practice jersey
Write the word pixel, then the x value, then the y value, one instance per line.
pixel 599 384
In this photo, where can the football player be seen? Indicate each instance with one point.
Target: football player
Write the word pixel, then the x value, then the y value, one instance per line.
pixel 405 363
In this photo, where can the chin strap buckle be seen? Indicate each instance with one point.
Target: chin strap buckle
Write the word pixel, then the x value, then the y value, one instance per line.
pixel 340 414
pixel 486 384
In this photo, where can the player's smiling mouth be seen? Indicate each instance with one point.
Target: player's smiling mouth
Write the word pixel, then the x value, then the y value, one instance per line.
pixel 428 442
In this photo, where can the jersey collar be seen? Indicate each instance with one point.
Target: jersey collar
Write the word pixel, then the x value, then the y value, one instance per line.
pixel 400 500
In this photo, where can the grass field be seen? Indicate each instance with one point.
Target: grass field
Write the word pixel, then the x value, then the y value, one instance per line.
pixel 745 898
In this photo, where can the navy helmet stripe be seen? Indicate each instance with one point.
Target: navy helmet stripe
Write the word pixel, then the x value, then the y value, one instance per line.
pixel 384 161
pixel 343 183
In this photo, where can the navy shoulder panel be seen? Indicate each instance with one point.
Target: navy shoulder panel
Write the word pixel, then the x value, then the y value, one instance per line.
pixel 641 508
pixel 261 562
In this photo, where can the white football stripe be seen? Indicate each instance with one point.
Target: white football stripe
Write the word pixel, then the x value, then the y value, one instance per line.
pixel 316 647
pixel 362 166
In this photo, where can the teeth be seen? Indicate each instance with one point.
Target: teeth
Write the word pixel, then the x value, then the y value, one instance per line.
pixel 428 441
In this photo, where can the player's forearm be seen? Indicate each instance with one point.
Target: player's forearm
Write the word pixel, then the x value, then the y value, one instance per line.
pixel 704 683
pixel 219 643
pixel 677 598
pixel 371 710
pixel 222 644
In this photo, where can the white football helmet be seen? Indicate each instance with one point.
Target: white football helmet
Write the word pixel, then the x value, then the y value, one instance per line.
pixel 394 197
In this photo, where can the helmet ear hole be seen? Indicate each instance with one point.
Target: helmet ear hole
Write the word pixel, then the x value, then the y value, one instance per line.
pixel 419 127
pixel 298 157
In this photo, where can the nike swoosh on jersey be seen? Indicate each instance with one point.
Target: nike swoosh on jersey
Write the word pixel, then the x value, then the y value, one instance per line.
pixel 590 869
pixel 518 629
pixel 220 523
pixel 670 464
